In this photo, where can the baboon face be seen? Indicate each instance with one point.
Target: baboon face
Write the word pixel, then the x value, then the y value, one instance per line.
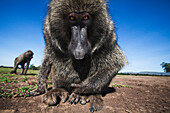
pixel 77 27
pixel 29 54
pixel 79 45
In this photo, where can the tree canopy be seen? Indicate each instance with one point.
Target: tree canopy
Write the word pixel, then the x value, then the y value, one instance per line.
pixel 166 66
pixel 34 67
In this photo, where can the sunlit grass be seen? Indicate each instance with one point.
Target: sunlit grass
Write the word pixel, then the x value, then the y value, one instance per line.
pixel 119 86
pixel 4 79
pixel 8 70
pixel 20 92
pixel 10 81
pixel 5 70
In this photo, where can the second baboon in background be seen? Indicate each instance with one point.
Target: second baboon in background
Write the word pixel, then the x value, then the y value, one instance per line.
pixel 81 51
pixel 21 60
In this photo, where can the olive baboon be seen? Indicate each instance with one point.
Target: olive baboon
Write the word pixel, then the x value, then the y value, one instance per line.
pixel 21 60
pixel 81 51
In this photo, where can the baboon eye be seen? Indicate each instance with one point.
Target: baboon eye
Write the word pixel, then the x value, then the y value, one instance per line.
pixel 72 18
pixel 86 18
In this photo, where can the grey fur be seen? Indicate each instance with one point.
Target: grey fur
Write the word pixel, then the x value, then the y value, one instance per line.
pixel 89 75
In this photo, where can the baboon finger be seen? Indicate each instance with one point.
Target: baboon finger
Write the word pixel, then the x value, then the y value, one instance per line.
pixel 64 97
pixel 84 100
pixel 74 98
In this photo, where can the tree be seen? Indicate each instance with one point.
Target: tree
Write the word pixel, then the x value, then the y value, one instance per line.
pixel 34 67
pixel 166 66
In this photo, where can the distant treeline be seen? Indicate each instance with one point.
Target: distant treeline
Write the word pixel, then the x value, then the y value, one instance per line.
pixel 6 66
pixel 34 67
pixel 143 74
pixel 135 74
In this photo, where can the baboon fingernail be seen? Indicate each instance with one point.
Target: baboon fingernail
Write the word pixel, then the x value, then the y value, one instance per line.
pixel 92 109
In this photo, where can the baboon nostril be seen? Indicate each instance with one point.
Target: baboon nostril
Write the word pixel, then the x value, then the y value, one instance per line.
pixel 79 54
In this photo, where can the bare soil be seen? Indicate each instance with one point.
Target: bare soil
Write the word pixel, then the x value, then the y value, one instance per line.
pixel 148 95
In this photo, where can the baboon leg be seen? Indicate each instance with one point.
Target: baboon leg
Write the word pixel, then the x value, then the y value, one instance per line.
pixel 26 68
pixel 22 66
pixel 51 97
pixel 96 103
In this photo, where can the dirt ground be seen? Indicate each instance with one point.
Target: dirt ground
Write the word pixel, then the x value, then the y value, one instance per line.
pixel 148 95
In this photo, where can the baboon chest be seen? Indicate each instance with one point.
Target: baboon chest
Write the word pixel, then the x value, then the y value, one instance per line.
pixel 71 71
pixel 82 67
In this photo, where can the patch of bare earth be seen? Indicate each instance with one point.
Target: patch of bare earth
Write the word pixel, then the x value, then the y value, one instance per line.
pixel 148 95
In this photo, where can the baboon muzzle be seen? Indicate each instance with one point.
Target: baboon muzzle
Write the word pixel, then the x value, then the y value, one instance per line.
pixel 79 45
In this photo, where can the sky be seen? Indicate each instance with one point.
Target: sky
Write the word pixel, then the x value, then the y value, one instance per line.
pixel 142 28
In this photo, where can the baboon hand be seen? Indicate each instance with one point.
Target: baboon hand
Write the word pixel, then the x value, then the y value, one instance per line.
pixel 96 103
pixel 51 97
pixel 75 98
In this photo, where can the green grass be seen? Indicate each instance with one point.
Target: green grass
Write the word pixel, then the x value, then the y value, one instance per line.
pixel 119 86
pixel 8 75
pixel 5 70
pixel 32 71
pixel 8 70
pixel 8 78
pixel 23 91
pixel 8 89
pixel 24 79
pixel 4 79
pixel 6 94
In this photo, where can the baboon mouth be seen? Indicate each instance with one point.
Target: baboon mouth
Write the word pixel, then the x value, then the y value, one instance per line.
pixel 78 57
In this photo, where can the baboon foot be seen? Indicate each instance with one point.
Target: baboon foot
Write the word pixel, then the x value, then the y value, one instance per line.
pixel 96 103
pixel 53 96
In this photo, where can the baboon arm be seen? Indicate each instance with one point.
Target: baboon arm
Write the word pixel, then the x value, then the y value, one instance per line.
pixel 106 70
pixel 96 82
pixel 43 74
pixel 42 77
